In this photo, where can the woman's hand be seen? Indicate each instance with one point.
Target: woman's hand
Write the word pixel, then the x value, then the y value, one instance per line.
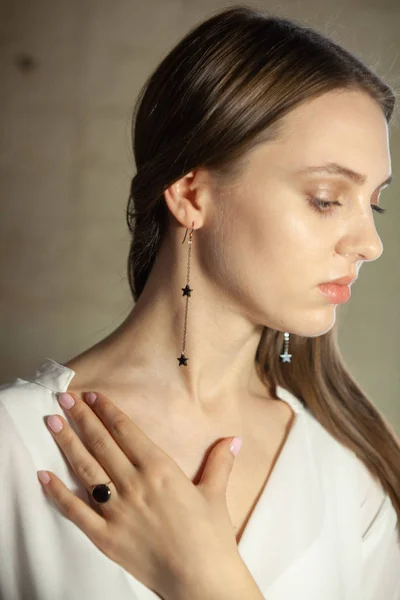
pixel 157 524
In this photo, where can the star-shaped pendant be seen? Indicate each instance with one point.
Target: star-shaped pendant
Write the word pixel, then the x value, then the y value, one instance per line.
pixel 182 360
pixel 186 291
pixel 286 357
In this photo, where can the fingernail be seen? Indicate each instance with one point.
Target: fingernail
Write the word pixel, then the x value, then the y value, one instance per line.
pixel 66 400
pixel 43 476
pixel 54 423
pixel 235 445
pixel 90 397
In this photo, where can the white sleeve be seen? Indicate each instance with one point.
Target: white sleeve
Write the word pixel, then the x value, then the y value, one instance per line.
pixel 380 544
pixel 11 458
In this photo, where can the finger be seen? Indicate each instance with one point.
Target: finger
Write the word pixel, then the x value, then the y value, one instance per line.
pixel 84 465
pixel 136 445
pixel 219 465
pixel 92 524
pixel 98 440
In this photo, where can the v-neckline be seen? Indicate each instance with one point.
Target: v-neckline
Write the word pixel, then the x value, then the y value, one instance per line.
pixel 285 448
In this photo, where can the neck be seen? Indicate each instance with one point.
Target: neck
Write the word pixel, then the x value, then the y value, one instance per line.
pixel 221 342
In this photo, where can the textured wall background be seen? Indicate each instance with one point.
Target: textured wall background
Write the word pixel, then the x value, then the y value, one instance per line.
pixel 70 71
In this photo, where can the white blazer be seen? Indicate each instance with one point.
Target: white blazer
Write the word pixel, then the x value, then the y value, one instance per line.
pixel 322 529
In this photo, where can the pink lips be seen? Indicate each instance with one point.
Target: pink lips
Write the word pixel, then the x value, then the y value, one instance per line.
pixel 336 292
pixel 343 280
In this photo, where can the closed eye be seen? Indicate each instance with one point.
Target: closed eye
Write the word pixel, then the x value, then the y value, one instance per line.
pixel 319 205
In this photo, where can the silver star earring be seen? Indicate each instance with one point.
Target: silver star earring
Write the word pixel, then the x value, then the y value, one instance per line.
pixel 285 356
pixel 186 292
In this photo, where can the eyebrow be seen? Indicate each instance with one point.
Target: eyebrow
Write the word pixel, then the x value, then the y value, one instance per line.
pixel 336 169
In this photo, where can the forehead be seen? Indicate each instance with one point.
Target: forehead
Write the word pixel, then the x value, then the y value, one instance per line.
pixel 342 126
pixel 352 107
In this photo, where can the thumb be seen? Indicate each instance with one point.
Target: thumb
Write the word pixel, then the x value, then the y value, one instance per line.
pixel 219 464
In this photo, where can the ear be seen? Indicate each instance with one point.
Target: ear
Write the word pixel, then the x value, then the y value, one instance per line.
pixel 187 199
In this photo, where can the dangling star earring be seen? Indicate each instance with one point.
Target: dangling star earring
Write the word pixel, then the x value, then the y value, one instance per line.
pixel 285 357
pixel 186 292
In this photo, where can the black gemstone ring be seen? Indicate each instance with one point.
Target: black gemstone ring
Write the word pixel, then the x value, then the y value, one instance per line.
pixel 101 493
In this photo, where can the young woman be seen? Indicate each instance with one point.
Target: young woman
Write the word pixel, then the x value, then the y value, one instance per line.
pixel 261 149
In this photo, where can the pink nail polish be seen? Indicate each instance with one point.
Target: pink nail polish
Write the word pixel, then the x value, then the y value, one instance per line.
pixel 235 445
pixel 66 400
pixel 44 477
pixel 54 423
pixel 90 397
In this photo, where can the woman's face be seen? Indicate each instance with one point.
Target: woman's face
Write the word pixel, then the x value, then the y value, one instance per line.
pixel 273 245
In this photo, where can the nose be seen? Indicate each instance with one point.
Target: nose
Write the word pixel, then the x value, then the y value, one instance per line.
pixel 364 239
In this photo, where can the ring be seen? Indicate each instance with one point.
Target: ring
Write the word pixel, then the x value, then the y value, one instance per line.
pixel 101 493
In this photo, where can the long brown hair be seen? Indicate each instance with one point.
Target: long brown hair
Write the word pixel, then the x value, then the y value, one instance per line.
pixel 219 92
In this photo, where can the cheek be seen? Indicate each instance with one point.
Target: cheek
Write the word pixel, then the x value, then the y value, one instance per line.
pixel 288 239
pixel 277 244
pixel 302 233
pixel 292 248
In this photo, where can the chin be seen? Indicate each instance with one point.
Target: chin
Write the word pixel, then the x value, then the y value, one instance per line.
pixel 316 323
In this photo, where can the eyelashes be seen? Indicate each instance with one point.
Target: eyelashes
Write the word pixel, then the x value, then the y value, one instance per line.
pixel 320 205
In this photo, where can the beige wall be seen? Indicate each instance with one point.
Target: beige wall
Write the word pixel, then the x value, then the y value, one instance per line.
pixel 66 164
